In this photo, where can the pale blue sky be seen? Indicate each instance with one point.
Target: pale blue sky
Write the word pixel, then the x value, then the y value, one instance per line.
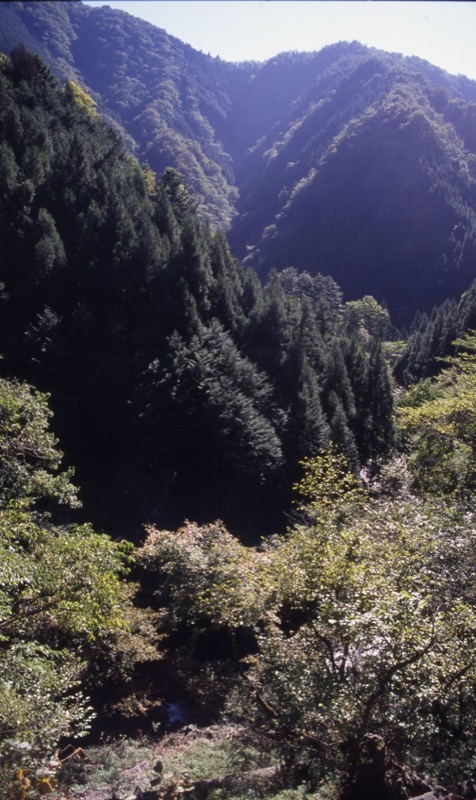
pixel 443 33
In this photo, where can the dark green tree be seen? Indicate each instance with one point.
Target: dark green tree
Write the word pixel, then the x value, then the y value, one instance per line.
pixel 210 423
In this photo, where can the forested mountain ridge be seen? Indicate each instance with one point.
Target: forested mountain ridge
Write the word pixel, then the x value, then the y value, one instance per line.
pixel 433 337
pixel 341 650
pixel 374 178
pixel 158 90
pixel 181 386
pixel 349 162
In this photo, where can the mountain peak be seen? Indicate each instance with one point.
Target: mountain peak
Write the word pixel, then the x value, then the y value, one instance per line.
pixel 349 160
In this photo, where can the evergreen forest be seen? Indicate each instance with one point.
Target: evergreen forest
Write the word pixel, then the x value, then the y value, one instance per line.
pixel 293 158
pixel 237 516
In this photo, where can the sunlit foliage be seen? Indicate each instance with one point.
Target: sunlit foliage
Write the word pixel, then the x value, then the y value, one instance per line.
pixel 438 423
pixel 362 617
pixel 60 590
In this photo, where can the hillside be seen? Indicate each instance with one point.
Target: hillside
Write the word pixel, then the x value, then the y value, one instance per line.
pixel 249 571
pixel 370 177
pixel 181 386
pixel 350 161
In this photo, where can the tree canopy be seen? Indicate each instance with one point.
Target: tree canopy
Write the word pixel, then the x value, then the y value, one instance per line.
pixel 61 587
pixel 181 386
pixel 361 619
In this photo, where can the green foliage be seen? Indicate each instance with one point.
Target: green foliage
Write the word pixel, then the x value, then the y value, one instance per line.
pixel 328 485
pixel 29 458
pixel 363 618
pixel 432 337
pixel 212 412
pixel 332 388
pixel 438 425
pixel 367 318
pixel 41 703
pixel 382 643
pixel 74 92
pixel 61 590
pixel 204 576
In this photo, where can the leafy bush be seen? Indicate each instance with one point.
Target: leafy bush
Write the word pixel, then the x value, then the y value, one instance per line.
pixel 60 589
pixel 363 619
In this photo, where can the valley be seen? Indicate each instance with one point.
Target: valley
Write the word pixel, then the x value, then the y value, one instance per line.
pixel 237 419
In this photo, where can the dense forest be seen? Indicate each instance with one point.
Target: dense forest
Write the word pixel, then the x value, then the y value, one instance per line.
pixel 348 162
pixel 180 386
pixel 236 504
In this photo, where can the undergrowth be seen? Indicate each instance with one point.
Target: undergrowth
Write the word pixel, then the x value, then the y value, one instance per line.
pixel 117 768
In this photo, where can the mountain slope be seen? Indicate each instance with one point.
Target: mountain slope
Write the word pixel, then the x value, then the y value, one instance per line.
pixel 181 387
pixel 350 161
pixel 371 180
pixel 158 90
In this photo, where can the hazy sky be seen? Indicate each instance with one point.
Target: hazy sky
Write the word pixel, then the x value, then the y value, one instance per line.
pixel 443 33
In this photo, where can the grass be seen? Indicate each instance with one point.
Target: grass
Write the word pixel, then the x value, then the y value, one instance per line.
pixel 213 753
pixel 123 764
pixel 198 754
pixel 119 765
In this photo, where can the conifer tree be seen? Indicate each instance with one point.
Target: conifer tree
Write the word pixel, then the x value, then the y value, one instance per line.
pixel 337 378
pixel 341 433
pixel 308 431
pixel 380 403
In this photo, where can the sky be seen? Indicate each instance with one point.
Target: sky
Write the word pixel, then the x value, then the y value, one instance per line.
pixel 441 32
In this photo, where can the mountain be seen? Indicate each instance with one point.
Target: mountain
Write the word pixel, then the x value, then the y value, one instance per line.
pixel 159 92
pixel 370 177
pixel 350 161
pixel 181 387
